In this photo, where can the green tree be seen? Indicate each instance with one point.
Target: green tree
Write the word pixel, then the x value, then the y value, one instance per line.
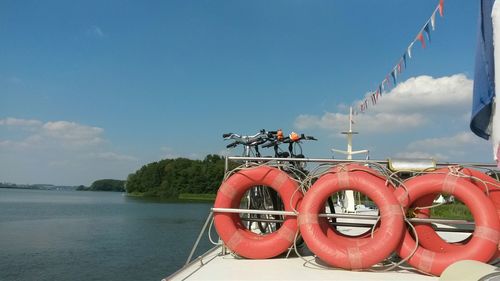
pixel 170 177
pixel 108 185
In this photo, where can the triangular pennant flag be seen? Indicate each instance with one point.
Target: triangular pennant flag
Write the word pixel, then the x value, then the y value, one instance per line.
pixel 420 37
pixel 428 32
pixel 433 21
pixel 409 49
pixel 401 66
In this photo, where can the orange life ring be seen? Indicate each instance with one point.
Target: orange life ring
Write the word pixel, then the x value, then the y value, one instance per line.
pixel 428 237
pixel 331 247
pixel 483 244
pixel 358 239
pixel 229 225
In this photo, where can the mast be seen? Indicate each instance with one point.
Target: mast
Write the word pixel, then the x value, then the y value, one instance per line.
pixel 349 204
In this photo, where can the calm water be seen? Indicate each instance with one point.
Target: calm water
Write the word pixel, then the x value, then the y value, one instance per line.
pixel 71 235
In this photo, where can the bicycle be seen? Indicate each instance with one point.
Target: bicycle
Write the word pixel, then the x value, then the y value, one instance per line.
pixel 259 197
pixel 294 147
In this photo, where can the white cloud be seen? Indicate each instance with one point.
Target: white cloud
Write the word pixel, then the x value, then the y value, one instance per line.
pixel 412 104
pixel 422 117
pixel 462 139
pixel 367 123
pixel 59 152
pixel 72 133
pixel 111 156
pixel 64 132
pixel 444 148
pixel 16 122
pixel 427 94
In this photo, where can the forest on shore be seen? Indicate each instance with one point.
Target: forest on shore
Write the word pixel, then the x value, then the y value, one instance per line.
pixel 104 185
pixel 174 178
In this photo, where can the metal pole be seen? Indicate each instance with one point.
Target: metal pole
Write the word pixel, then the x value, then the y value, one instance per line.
pixel 226 165
pixel 320 160
pixel 327 160
pixel 249 211
pixel 343 216
pixel 199 238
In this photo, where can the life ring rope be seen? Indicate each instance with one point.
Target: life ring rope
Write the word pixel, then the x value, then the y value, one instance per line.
pixel 454 182
pixel 452 177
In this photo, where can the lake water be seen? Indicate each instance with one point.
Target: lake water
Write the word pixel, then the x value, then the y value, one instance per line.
pixel 72 235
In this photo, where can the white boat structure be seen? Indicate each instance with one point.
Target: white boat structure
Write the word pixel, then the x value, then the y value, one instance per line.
pixel 300 263
pixel 220 263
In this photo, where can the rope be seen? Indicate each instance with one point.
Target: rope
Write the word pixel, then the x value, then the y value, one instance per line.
pixel 392 179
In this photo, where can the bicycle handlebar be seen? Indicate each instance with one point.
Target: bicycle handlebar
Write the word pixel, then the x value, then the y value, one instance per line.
pixel 254 140
pixel 231 145
pixel 310 138
pixel 261 138
pixel 270 143
pixel 302 137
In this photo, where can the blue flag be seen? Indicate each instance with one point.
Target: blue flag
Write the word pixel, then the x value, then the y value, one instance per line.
pixel 428 32
pixel 393 74
pixel 484 74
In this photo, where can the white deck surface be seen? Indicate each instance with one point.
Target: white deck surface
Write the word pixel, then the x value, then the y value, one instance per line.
pixel 215 266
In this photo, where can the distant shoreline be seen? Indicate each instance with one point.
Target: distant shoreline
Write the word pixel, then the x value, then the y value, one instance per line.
pixel 39 187
pixel 183 197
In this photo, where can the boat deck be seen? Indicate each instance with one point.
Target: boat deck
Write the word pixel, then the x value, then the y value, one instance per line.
pixel 216 266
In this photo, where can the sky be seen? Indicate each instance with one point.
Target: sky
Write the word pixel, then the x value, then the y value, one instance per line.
pixel 96 89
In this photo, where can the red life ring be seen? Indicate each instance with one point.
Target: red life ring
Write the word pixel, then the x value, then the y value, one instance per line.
pixel 359 239
pixel 428 237
pixel 331 247
pixel 229 225
pixel 483 244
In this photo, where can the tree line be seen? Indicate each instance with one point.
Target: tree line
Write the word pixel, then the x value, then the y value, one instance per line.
pixel 104 185
pixel 170 177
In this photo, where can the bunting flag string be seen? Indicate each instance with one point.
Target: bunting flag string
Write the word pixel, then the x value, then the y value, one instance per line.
pixel 430 25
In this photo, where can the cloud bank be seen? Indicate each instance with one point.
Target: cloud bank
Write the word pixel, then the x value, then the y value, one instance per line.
pixel 59 152
pixel 410 105
pixel 438 108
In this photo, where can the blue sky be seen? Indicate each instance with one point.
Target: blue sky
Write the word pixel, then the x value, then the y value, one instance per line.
pixel 96 89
